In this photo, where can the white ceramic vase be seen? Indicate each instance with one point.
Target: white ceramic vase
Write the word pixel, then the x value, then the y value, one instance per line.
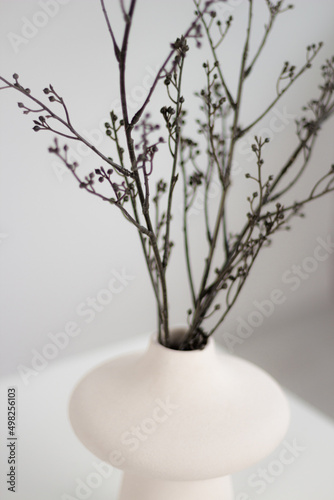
pixel 179 422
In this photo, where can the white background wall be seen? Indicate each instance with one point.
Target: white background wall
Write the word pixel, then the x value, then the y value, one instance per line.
pixel 60 246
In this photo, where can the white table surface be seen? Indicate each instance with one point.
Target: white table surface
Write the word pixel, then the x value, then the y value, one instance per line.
pixel 52 462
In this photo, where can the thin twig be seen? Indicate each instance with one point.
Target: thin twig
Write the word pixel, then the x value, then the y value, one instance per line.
pixel 69 127
pixel 116 48
pixel 161 71
pixel 173 178
pixel 279 96
pixel 186 235
pixel 213 49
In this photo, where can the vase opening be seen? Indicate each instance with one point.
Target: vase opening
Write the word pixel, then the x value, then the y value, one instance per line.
pixel 179 340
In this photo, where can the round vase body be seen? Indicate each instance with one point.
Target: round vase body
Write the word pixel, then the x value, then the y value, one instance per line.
pixel 179 422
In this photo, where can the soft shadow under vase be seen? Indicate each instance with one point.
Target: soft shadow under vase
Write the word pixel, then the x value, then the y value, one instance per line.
pixel 179 422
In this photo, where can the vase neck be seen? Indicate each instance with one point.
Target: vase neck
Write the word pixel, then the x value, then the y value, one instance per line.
pixel 157 354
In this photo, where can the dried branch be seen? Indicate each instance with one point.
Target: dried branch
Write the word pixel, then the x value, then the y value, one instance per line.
pixel 67 124
pixel 289 71
pixel 194 27
pixel 204 163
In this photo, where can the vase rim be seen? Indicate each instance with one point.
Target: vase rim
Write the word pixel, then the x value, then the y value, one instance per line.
pixel 173 332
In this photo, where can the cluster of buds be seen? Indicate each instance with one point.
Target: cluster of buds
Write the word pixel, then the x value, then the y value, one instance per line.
pixel 52 94
pixel 181 46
